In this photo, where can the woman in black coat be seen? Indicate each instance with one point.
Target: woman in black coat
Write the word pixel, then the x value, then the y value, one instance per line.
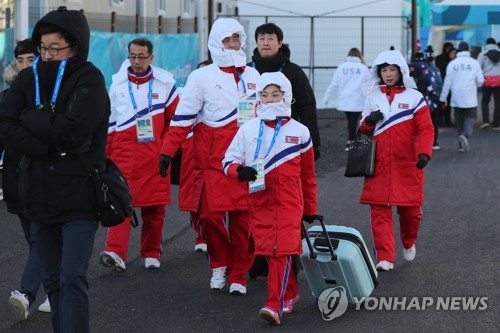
pixel 51 114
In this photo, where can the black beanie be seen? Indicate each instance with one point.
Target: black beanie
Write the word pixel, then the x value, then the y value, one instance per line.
pixel 463 46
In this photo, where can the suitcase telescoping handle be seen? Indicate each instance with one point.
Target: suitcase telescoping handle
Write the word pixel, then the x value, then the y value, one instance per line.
pixel 312 254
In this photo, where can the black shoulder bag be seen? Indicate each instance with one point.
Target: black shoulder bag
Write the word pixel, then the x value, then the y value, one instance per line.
pixel 361 157
pixel 113 193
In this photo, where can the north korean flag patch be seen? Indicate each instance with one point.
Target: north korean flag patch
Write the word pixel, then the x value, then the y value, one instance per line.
pixel 403 106
pixel 155 96
pixel 252 86
pixel 292 139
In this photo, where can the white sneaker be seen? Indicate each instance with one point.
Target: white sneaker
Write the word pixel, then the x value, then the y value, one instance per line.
pixel 20 303
pixel 464 142
pixel 111 259
pixel 409 254
pixel 485 125
pixel 218 280
pixel 384 265
pixel 202 247
pixel 45 306
pixel 151 263
pixel 237 289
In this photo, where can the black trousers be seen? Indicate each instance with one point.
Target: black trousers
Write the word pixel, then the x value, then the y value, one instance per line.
pixel 352 124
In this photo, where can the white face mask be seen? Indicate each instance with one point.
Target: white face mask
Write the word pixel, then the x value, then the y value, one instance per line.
pixel 226 58
pixel 271 111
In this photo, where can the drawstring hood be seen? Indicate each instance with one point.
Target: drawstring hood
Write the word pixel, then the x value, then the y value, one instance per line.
pixel 271 111
pixel 222 57
pixel 391 57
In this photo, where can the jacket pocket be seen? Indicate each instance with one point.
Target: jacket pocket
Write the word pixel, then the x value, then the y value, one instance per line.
pixel 68 187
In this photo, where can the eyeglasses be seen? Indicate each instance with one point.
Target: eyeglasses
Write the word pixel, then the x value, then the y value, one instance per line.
pixel 52 50
pixel 140 57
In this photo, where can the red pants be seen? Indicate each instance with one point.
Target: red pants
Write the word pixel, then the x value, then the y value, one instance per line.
pixel 227 247
pixel 281 282
pixel 151 234
pixel 383 229
pixel 196 227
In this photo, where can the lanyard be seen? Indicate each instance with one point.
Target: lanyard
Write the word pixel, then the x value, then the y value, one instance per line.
pixel 261 133
pixel 150 95
pixel 57 86
pixel 242 82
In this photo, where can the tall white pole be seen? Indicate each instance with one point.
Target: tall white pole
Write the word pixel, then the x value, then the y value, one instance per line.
pixel 21 19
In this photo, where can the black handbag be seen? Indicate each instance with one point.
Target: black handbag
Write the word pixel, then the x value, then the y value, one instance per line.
pixel 361 158
pixel 113 192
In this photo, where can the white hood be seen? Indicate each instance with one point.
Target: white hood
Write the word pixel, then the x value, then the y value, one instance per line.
pixel 271 111
pixel 222 28
pixel 392 57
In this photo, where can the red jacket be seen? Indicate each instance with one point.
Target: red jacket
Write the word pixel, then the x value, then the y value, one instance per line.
pixel 139 161
pixel 405 132
pixel 208 106
pixel 290 184
pixel 187 199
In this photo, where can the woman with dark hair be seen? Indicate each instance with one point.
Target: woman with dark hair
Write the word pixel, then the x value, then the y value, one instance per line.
pixel 398 118
pixel 347 80
pixel 53 114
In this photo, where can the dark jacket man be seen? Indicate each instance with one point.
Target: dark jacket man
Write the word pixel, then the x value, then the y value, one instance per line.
pixel 53 185
pixel 271 55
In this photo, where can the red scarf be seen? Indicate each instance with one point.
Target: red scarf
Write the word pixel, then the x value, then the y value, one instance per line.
pixel 391 91
pixel 139 78
pixel 273 123
pixel 234 70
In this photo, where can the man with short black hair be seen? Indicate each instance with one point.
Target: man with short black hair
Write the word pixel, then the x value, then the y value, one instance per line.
pixel 143 101
pixel 272 55
pixel 31 279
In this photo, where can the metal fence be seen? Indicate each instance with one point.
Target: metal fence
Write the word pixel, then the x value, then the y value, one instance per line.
pixel 110 22
pixel 320 44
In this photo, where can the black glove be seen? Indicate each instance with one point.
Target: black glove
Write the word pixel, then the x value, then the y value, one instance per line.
pixel 316 153
pixel 246 173
pixel 374 117
pixel 164 164
pixel 309 218
pixel 423 159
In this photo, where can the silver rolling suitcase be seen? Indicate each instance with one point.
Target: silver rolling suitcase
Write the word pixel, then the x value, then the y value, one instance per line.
pixel 336 256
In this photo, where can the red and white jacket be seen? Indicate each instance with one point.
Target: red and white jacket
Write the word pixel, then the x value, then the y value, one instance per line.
pixel 209 105
pixel 139 161
pixel 187 201
pixel 405 132
pixel 290 183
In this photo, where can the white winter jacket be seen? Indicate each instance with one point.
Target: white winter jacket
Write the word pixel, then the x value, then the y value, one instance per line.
pixel 348 79
pixel 463 77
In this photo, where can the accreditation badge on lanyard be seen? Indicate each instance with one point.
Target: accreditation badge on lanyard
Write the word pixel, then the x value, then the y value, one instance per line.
pixel 259 184
pixel 246 106
pixel 145 129
pixel 144 123
pixel 246 110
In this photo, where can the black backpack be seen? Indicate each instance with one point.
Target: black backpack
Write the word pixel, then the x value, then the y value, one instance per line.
pixel 493 55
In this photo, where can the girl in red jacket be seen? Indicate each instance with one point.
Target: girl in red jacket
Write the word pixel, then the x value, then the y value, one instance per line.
pixel 396 114
pixel 274 152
